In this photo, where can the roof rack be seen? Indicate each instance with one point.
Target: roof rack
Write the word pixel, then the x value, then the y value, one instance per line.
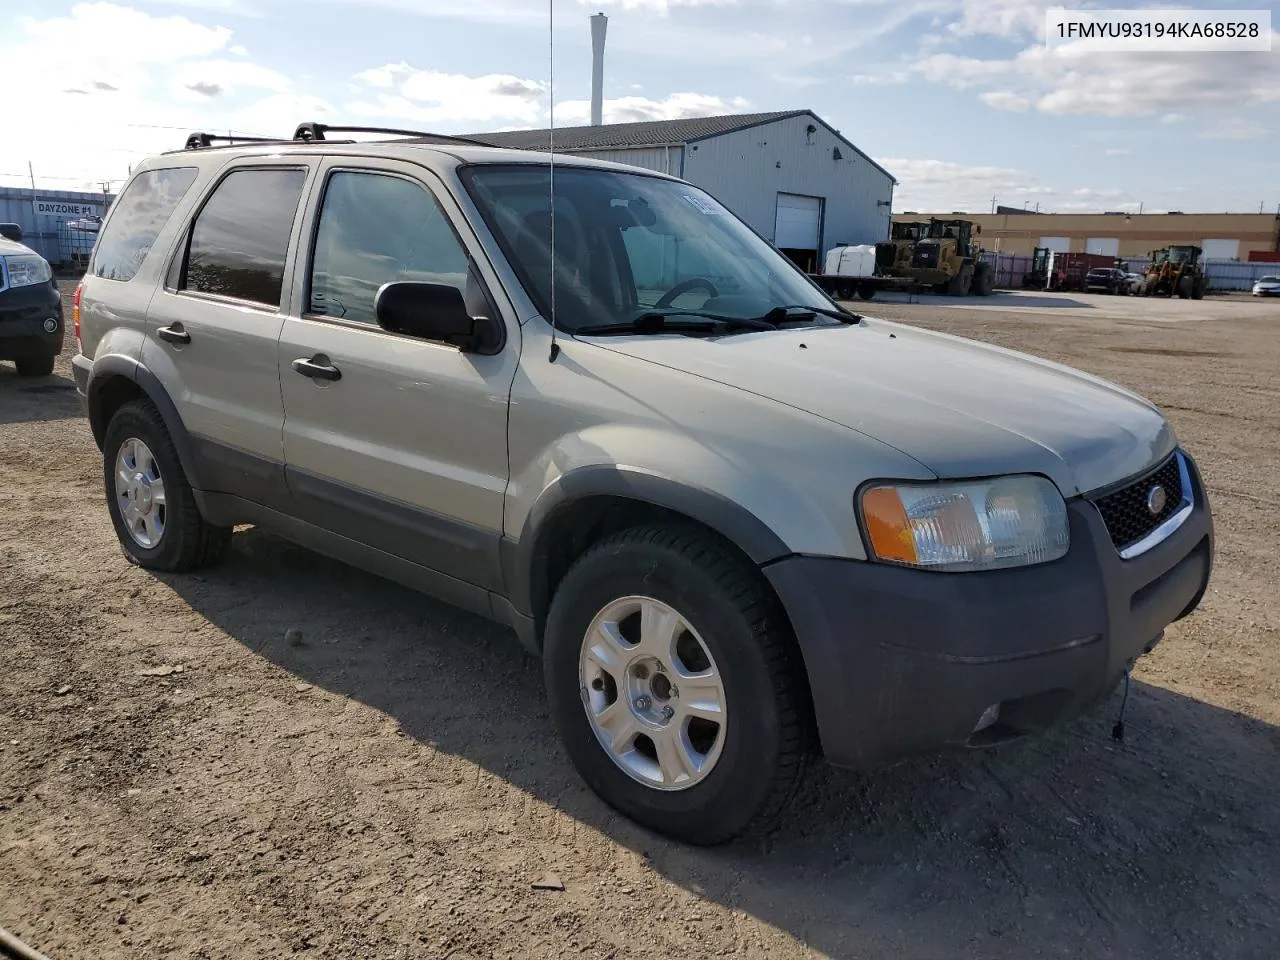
pixel 314 132
pixel 309 132
pixel 199 140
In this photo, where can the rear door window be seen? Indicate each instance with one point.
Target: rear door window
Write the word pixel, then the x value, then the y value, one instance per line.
pixel 137 218
pixel 240 239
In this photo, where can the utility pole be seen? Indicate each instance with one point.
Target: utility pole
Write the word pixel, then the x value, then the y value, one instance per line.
pixel 993 205
pixel 1139 208
pixel 35 219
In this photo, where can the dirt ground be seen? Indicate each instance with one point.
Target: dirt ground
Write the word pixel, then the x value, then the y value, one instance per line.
pixel 178 778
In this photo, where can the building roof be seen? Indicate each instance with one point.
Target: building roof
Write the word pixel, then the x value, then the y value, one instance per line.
pixel 652 133
pixel 648 133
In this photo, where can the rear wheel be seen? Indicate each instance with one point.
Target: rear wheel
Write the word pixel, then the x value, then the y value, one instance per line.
pixel 1185 286
pixel 34 366
pixel 866 291
pixel 983 280
pixel 150 501
pixel 1197 289
pixel 675 684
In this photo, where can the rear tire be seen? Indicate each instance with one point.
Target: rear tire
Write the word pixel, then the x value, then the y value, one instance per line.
pixel 983 281
pixel 185 541
pixel 866 292
pixel 34 366
pixel 763 748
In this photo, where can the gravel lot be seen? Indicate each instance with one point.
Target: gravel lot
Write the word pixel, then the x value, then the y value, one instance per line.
pixel 181 778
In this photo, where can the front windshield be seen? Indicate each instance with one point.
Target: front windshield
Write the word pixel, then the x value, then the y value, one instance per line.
pixel 626 244
pixel 1179 254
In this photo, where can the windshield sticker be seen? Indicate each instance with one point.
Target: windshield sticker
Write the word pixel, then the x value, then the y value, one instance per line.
pixel 702 205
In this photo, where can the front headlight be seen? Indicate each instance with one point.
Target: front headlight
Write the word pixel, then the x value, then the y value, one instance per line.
pixel 982 525
pixel 27 270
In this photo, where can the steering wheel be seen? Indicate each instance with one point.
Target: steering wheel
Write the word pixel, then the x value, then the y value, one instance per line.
pixel 693 283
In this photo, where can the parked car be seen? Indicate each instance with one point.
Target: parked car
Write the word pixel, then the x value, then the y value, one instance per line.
pixel 735 522
pixel 1135 282
pixel 1267 287
pixel 30 308
pixel 1106 280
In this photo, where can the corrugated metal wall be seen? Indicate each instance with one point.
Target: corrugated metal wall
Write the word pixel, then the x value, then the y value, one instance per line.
pixel 41 214
pixel 661 159
pixel 747 169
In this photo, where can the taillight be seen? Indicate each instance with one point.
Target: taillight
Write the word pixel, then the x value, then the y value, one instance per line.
pixel 75 308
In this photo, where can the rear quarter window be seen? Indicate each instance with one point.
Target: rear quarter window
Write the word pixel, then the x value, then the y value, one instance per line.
pixel 137 218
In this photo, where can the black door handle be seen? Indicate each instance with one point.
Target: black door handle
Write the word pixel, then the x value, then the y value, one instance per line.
pixel 316 371
pixel 174 334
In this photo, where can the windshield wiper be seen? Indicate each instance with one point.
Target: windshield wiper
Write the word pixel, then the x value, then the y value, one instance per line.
pixel 657 321
pixel 784 313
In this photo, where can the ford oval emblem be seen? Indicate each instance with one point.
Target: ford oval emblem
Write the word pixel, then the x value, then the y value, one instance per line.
pixel 1156 499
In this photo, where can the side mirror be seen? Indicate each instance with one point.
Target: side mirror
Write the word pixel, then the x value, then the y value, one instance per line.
pixel 432 311
pixel 11 231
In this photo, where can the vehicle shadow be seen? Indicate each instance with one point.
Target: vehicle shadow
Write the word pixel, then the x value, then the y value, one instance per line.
pixel 1167 844
pixel 34 399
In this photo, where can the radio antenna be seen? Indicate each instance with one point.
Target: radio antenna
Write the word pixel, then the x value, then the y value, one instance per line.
pixel 551 166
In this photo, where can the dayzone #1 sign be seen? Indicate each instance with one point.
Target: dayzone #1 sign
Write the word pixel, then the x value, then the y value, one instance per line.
pixel 64 208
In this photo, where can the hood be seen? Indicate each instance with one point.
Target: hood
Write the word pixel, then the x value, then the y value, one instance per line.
pixel 959 407
pixel 11 249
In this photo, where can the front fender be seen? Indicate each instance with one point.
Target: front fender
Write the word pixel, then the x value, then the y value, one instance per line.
pixel 731 520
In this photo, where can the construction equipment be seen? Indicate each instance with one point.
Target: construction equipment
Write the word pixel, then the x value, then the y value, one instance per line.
pixel 1175 269
pixel 941 254
pixel 1037 278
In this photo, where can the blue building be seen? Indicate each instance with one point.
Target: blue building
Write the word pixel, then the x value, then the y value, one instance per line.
pixel 60 225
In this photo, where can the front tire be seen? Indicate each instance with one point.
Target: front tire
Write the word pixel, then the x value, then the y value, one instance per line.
pixel 152 507
pixel 34 366
pixel 666 601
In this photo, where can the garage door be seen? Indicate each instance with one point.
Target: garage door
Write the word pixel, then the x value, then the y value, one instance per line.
pixel 798 222
pixel 1103 246
pixel 1056 244
pixel 1221 249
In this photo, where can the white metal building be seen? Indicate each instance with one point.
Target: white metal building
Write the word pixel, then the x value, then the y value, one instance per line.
pixel 796 180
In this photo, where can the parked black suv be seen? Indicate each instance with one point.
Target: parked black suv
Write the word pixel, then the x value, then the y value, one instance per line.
pixel 1106 280
pixel 30 310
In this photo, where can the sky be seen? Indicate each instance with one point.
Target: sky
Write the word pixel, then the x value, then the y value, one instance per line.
pixel 959 99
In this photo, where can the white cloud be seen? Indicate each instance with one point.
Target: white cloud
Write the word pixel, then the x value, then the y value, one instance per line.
pixel 135 85
pixel 1174 118
pixel 661 7
pixel 1116 152
pixel 1090 193
pixel 1005 100
pixel 940 185
pixel 239 50
pixel 428 96
pixel 632 109
pixel 239 8
pixel 1064 81
pixel 1009 19
pixel 886 78
pixel 229 76
pixel 386 76
pixel 1235 128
